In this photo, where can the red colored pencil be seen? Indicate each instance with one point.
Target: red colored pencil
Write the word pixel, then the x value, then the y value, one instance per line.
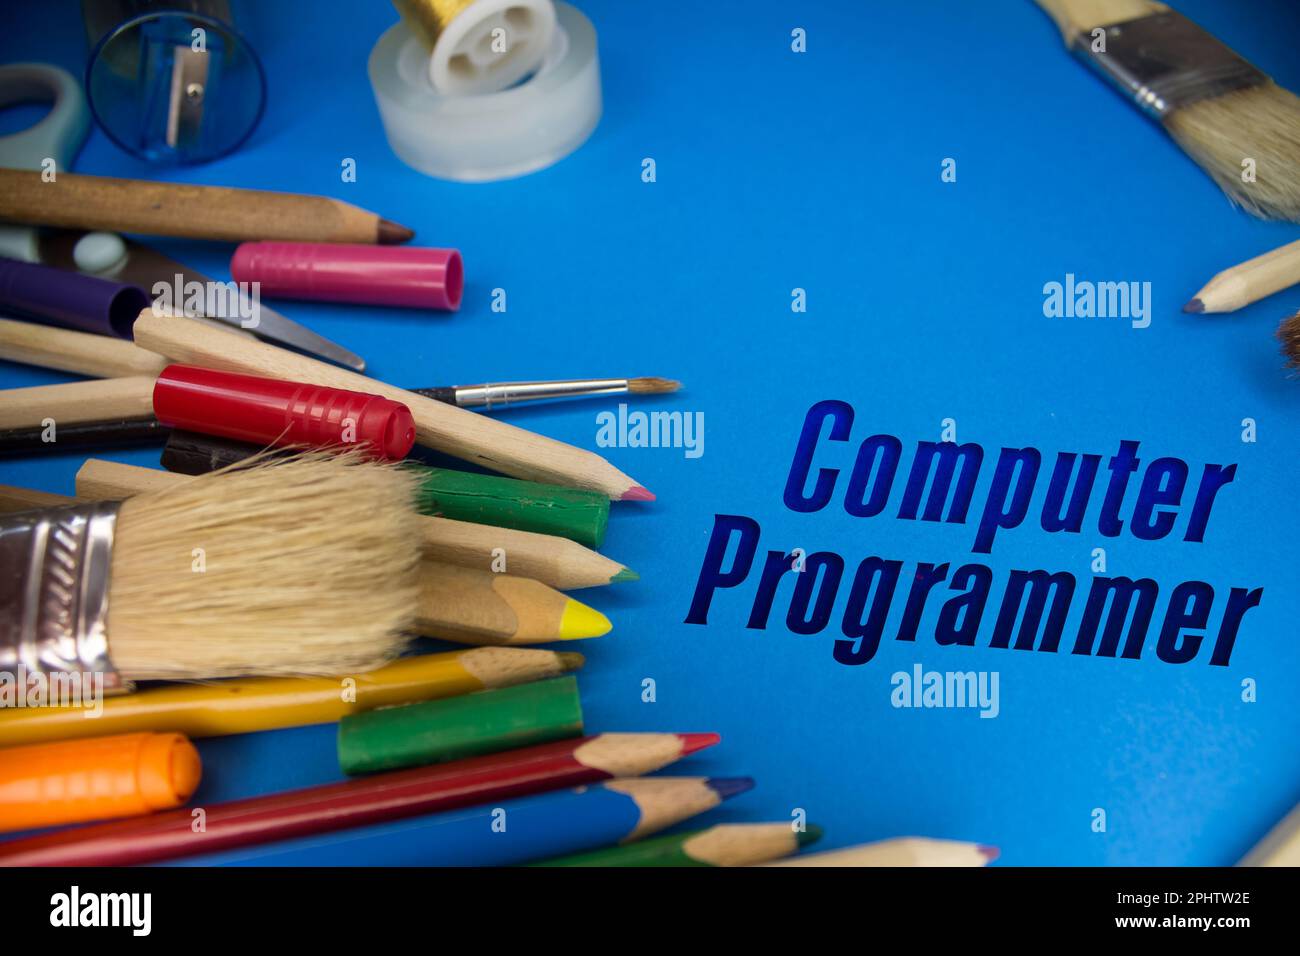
pixel 336 806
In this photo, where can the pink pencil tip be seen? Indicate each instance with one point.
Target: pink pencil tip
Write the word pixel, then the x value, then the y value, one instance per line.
pixel 695 742
pixel 990 853
pixel 637 493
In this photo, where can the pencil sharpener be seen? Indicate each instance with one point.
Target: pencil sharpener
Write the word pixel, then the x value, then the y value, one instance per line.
pixel 172 81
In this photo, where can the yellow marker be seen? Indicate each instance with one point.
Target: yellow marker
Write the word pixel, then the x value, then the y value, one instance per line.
pixel 266 703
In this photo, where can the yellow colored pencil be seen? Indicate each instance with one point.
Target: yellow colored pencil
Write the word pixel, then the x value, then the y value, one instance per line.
pixel 264 703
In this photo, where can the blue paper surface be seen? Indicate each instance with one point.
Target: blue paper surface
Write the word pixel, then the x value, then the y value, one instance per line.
pixel 821 171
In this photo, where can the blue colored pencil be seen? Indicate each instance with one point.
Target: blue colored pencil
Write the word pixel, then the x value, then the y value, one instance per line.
pixel 506 833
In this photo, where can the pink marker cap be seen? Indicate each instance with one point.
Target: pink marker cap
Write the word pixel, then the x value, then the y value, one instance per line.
pixel 338 272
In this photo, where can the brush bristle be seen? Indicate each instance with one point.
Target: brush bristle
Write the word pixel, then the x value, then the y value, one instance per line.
pixel 1262 124
pixel 651 386
pixel 1288 333
pixel 307 566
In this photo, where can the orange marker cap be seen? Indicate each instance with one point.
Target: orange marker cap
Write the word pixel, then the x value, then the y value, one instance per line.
pixel 75 781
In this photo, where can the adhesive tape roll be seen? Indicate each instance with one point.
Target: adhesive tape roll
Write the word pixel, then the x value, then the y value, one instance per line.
pixel 480 46
pixel 495 135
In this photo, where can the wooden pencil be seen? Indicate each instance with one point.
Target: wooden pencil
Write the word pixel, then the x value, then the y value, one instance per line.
pixel 1250 281
pixel 1280 847
pixel 73 403
pixel 458 432
pixel 247 705
pixel 470 606
pixel 557 562
pixel 736 844
pixel 73 201
pixel 538 827
pixel 903 851
pixel 354 803
pixel 98 356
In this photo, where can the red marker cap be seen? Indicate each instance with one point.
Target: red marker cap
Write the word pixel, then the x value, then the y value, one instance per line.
pixel 339 272
pixel 271 411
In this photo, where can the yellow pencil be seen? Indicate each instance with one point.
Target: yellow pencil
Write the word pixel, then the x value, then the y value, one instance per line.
pixel 264 703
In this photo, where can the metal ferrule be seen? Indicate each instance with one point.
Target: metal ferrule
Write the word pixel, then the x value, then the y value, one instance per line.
pixel 1165 62
pixel 507 393
pixel 54 580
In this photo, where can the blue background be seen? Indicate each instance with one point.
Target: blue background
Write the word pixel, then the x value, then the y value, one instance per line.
pixel 821 170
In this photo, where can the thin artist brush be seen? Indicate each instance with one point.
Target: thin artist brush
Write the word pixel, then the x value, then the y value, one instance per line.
pixel 1225 113
pixel 250 704
pixel 903 851
pixel 1288 333
pixel 501 394
pixel 538 827
pixel 365 801
pixel 220 213
pixel 231 574
pixel 552 560
pixel 1252 280
pixel 728 844
pixel 118 432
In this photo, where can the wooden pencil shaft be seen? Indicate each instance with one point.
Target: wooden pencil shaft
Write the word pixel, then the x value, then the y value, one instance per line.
pixel 77 402
pixel 66 350
pixel 470 606
pixel 73 201
pixel 558 562
pixel 1252 280
pixel 463 434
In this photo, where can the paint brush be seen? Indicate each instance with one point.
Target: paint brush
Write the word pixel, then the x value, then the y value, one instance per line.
pixel 1288 333
pixel 501 394
pixel 1228 115
pixel 229 574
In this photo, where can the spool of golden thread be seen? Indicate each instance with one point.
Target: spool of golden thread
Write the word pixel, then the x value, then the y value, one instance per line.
pixel 428 18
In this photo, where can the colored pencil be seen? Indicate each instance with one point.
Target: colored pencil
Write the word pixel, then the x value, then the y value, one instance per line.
pixel 903 851
pixel 360 802
pixel 470 725
pixel 479 607
pixel 74 201
pixel 554 561
pixel 73 403
pixel 98 356
pixel 573 513
pixel 463 434
pixel 118 432
pixel 505 833
pixel 246 705
pixel 735 844
pixel 1252 280
pixel 1280 847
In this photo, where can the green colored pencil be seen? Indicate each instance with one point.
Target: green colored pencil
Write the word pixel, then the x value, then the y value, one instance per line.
pixel 728 844
pixel 572 513
pixel 457 727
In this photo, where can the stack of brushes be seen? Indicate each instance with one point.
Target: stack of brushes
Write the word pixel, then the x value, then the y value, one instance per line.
pixel 275 572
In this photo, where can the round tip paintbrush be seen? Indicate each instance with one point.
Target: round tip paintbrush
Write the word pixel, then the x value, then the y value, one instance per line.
pixel 297 566
pixel 1288 333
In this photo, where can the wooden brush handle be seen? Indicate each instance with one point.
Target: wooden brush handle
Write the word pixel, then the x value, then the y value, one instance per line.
pixel 99 480
pixel 1079 16
pixel 77 402
pixel 79 352
pixel 178 209
pixel 24 499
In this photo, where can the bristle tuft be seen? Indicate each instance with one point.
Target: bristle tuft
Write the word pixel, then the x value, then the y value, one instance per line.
pixel 1288 333
pixel 1260 124
pixel 652 386
pixel 301 565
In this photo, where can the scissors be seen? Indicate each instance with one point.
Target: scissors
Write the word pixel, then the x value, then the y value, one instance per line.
pixel 58 137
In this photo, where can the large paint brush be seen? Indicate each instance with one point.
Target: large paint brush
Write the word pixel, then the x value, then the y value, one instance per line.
pixel 1227 114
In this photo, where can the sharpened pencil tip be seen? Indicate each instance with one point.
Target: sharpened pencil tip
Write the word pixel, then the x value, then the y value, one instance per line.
pixel 570 660
pixel 728 787
pixel 637 493
pixel 1196 305
pixel 391 233
pixel 693 743
pixel 809 834
pixel 579 622
pixel 990 853
pixel 625 574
